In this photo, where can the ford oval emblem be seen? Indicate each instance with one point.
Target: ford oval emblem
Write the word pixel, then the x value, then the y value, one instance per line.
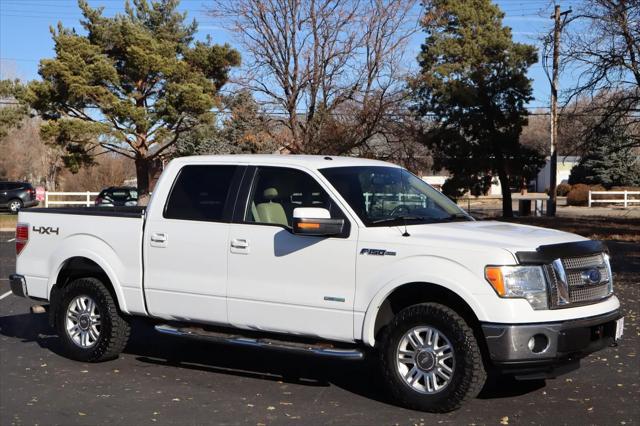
pixel 592 276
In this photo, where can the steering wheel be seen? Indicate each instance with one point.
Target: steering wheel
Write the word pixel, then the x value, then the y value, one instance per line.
pixel 398 210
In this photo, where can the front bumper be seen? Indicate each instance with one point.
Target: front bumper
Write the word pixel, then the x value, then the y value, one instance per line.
pixel 18 285
pixel 558 345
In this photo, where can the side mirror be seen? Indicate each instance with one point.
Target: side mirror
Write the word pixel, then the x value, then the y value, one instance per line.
pixel 315 221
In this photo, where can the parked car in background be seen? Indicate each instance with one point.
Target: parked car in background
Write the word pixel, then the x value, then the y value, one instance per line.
pixel 17 195
pixel 117 197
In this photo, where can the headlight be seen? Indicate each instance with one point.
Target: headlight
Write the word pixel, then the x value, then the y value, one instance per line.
pixel 523 282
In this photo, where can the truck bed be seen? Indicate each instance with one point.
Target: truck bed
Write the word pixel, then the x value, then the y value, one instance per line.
pixel 95 211
pixel 109 237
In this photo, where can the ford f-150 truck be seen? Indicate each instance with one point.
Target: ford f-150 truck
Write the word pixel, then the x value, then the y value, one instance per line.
pixel 332 256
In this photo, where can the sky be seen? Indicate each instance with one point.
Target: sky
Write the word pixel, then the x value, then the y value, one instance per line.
pixel 25 36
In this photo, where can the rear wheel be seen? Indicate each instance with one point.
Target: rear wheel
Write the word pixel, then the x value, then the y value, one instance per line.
pixel 88 322
pixel 15 205
pixel 430 359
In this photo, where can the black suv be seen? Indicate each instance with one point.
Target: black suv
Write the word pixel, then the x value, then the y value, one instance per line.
pixel 17 195
pixel 117 196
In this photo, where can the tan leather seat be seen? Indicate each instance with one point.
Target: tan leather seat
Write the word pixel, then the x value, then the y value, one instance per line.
pixel 271 211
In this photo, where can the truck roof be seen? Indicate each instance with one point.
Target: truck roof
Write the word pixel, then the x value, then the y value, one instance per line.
pixel 309 161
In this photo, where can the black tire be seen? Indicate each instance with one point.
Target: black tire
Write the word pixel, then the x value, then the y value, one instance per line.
pixel 114 329
pixel 468 376
pixel 15 205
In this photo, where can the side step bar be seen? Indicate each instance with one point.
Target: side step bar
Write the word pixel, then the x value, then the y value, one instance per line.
pixel 320 349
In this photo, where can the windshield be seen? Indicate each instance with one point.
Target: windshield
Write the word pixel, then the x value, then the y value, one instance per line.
pixel 383 196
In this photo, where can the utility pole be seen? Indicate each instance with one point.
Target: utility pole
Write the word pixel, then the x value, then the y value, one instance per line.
pixel 553 160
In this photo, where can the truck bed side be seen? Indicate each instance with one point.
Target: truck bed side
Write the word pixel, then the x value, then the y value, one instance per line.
pixel 105 238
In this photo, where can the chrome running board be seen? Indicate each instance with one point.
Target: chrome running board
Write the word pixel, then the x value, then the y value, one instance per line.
pixel 324 349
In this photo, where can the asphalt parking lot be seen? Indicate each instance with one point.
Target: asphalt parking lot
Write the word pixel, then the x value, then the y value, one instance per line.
pixel 167 380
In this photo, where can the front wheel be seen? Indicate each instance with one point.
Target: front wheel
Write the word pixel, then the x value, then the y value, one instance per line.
pixel 430 359
pixel 88 322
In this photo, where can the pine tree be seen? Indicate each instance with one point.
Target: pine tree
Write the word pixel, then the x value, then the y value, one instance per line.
pixel 133 84
pixel 473 82
pixel 612 161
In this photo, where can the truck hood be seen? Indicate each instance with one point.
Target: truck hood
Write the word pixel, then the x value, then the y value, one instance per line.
pixel 508 236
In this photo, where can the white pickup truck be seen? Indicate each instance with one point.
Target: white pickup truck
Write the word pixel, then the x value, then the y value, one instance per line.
pixel 325 255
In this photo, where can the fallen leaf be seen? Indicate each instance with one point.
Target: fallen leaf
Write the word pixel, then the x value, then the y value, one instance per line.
pixel 504 420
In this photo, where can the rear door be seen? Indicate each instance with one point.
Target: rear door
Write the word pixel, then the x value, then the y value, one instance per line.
pixel 186 245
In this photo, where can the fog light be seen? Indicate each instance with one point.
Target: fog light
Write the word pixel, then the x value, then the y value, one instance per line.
pixel 538 343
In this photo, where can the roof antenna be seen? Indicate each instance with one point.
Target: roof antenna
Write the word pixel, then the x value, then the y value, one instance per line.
pixel 405 233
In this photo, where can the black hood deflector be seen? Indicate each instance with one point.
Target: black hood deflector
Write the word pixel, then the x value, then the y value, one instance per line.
pixel 548 253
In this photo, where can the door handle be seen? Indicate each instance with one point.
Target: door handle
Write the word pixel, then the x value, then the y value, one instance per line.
pixel 158 239
pixel 239 245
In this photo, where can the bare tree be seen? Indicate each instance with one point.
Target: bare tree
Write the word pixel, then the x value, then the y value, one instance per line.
pixel 109 169
pixel 602 54
pixel 25 156
pixel 315 62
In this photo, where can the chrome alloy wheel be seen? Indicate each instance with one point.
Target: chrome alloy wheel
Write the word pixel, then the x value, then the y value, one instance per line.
pixel 83 321
pixel 425 360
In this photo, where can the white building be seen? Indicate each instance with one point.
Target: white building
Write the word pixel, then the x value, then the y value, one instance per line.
pixel 565 164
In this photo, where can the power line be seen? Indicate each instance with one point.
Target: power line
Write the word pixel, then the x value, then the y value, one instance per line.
pixel 532 112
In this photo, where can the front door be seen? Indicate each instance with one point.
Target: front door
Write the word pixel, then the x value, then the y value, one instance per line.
pixel 282 282
pixel 185 246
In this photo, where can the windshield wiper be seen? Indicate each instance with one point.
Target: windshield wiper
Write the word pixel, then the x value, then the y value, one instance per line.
pixel 456 216
pixel 397 218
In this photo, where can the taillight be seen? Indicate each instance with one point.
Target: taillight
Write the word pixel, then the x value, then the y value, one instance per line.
pixel 32 193
pixel 98 201
pixel 22 237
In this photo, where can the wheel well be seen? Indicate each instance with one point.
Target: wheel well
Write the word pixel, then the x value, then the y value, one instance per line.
pixel 419 292
pixel 80 267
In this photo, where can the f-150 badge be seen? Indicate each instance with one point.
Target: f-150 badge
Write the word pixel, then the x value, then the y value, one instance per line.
pixel 377 252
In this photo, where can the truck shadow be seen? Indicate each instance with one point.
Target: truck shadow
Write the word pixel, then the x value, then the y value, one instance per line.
pixel 148 346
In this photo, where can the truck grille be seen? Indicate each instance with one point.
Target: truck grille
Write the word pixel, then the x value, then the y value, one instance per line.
pixel 579 280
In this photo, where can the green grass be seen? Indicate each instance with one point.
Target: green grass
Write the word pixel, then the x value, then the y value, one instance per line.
pixel 8 220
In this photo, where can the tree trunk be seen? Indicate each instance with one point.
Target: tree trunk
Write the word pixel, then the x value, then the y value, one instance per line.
pixel 142 175
pixel 507 207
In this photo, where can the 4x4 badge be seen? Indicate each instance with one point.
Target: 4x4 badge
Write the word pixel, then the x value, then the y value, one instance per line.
pixel 46 230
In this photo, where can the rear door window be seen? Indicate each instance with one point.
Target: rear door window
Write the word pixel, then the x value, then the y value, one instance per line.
pixel 201 192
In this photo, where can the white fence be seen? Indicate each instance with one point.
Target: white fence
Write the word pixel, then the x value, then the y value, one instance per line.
pixel 626 200
pixel 85 198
